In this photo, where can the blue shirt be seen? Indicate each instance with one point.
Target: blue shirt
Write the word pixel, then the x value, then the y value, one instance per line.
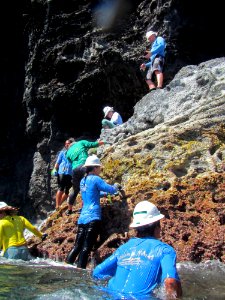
pixel 116 119
pixel 65 166
pixel 90 187
pixel 138 266
pixel 157 48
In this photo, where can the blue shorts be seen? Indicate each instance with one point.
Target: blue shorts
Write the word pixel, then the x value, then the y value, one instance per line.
pixel 15 252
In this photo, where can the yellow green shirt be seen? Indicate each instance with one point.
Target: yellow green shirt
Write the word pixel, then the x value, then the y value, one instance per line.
pixel 11 231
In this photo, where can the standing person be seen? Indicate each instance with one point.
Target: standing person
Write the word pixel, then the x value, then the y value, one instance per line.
pixel 144 262
pixel 12 240
pixel 156 57
pixel 63 171
pixel 111 118
pixel 90 218
pixel 77 154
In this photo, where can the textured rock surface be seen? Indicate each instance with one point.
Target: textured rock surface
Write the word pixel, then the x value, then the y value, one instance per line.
pixel 61 63
pixel 177 162
pixel 59 68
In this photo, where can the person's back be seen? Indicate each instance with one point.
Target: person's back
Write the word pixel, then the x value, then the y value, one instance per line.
pixel 90 187
pixel 143 263
pixel 116 118
pixel 13 227
pixel 78 152
pixel 12 240
pixel 65 166
pixel 146 257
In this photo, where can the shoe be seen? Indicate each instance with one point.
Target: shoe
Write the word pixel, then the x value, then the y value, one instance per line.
pixel 159 88
pixel 69 212
pixel 153 89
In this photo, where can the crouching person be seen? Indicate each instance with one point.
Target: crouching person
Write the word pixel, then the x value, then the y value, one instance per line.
pixel 139 266
pixel 12 226
pixel 89 221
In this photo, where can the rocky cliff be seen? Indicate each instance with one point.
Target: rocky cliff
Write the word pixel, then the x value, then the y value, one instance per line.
pixel 62 62
pixel 171 152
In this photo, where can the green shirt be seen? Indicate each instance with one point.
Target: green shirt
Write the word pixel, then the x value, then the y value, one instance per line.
pixel 78 152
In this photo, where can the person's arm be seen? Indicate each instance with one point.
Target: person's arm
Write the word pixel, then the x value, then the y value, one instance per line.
pixel 158 46
pixel 173 288
pixel 170 276
pixel 59 160
pixel 31 228
pixel 105 187
pixel 106 269
pixel 89 145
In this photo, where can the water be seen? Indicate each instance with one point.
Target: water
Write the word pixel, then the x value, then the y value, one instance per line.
pixel 45 279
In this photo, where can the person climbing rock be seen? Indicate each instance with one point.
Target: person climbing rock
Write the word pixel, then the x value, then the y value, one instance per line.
pixel 156 56
pixel 111 118
pixel 12 226
pixel 63 171
pixel 89 221
pixel 77 154
pixel 143 263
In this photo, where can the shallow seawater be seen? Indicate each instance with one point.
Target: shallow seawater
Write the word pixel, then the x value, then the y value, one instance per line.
pixel 45 279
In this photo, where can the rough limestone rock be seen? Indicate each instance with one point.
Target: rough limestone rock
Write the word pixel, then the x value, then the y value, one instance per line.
pixel 172 153
pixel 63 61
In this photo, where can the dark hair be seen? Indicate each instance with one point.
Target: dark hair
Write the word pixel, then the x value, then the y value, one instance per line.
pixel 147 230
pixel 89 169
pixel 11 212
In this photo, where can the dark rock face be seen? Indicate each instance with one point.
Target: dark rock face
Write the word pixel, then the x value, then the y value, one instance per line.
pixel 63 62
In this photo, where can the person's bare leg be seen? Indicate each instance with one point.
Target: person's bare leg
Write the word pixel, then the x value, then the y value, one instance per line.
pixel 63 198
pixel 58 198
pixel 150 84
pixel 159 77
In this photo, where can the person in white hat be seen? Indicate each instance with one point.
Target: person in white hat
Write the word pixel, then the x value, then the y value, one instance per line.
pixel 156 56
pixel 12 226
pixel 111 118
pixel 144 262
pixel 89 221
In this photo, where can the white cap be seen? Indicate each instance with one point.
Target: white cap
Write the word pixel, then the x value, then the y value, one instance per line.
pixel 145 213
pixel 92 160
pixel 106 110
pixel 149 33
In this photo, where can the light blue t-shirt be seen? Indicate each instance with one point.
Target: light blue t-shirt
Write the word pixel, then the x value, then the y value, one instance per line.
pixel 138 266
pixel 157 48
pixel 90 187
pixel 65 166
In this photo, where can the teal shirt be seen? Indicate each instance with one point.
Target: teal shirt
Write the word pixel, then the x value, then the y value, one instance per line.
pixel 78 152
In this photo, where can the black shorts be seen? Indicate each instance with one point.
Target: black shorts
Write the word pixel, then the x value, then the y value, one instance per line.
pixel 64 183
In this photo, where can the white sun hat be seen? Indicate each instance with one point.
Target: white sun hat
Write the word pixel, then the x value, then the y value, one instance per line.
pixel 4 206
pixel 145 213
pixel 92 160
pixel 149 33
pixel 106 110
